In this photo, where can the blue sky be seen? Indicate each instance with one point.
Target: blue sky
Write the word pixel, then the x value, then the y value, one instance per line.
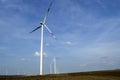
pixel 87 31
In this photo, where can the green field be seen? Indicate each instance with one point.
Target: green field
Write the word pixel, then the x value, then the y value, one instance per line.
pixel 94 75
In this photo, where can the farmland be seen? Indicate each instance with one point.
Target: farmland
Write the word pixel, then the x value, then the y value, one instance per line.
pixel 93 75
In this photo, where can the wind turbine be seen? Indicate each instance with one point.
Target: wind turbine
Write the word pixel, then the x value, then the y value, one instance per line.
pixel 42 25
pixel 50 68
pixel 54 66
pixel 54 62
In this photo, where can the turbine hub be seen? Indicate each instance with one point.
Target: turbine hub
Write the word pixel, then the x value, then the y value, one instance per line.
pixel 41 23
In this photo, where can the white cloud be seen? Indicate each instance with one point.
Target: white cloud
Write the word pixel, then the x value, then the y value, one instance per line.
pixel 108 26
pixel 22 59
pixel 101 4
pixel 99 62
pixel 38 54
pixel 47 44
pixel 4 0
pixel 83 65
pixel 69 43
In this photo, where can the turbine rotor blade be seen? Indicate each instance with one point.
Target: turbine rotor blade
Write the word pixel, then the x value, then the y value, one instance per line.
pixel 52 34
pixel 47 12
pixel 35 29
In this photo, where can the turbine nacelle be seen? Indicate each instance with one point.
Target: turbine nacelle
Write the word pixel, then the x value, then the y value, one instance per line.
pixel 41 23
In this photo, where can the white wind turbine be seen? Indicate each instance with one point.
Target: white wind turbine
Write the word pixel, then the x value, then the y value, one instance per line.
pixel 54 62
pixel 42 25
pixel 54 66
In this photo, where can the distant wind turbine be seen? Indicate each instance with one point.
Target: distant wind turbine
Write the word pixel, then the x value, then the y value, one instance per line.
pixel 54 61
pixel 54 66
pixel 50 68
pixel 42 25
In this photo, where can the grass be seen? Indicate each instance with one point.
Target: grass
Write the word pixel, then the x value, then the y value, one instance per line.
pixel 94 75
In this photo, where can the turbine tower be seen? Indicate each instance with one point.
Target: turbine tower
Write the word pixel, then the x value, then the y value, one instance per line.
pixel 54 62
pixel 42 25
pixel 50 68
pixel 53 66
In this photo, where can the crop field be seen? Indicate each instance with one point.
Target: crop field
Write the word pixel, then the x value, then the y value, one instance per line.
pixel 94 75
